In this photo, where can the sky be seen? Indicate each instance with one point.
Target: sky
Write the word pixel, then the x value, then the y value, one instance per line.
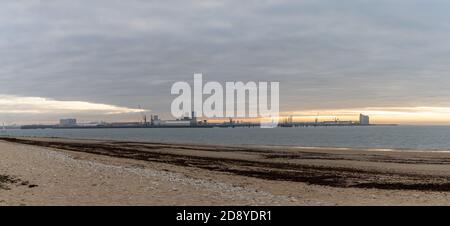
pixel 102 59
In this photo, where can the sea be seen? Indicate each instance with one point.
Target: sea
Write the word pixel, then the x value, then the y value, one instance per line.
pixel 431 138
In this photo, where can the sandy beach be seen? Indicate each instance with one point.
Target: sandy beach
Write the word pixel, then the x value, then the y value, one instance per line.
pixel 56 171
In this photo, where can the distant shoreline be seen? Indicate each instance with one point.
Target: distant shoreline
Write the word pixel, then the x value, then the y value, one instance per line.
pixel 198 126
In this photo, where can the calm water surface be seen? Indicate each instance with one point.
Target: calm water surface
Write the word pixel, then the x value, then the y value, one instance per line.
pixel 403 137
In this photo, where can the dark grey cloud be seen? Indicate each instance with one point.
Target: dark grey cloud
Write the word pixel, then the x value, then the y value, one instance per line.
pixel 325 53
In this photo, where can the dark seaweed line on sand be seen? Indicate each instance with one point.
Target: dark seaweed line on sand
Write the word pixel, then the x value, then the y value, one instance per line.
pixel 356 157
pixel 317 175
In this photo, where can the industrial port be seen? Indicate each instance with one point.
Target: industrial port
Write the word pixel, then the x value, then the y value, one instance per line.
pixel 193 122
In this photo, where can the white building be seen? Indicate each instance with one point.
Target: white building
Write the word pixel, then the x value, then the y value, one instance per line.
pixel 69 122
pixel 176 123
pixel 364 119
pixel 155 121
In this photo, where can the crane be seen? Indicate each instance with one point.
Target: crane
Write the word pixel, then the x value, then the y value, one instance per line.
pixel 143 115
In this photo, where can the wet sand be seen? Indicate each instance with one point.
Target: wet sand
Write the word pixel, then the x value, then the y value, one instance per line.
pixel 55 171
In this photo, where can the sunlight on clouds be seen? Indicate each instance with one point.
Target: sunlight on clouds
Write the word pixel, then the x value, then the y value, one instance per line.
pixel 397 115
pixel 39 105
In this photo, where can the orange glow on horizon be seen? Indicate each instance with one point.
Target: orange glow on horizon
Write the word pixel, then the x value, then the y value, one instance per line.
pixel 386 115
pixel 378 115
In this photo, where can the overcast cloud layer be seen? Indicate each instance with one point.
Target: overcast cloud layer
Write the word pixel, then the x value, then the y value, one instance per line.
pixel 327 54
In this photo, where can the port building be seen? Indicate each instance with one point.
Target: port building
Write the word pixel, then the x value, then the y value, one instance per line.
pixel 364 120
pixel 68 122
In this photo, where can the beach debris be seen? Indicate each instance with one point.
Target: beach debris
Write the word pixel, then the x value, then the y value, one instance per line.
pixel 6 180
